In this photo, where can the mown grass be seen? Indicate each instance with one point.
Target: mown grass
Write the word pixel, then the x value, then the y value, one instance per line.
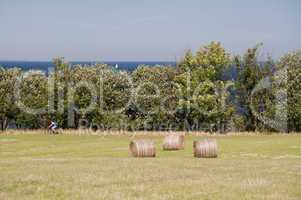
pixel 34 166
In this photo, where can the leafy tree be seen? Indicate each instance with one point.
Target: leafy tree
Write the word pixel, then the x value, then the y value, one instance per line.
pixel 248 76
pixel 250 103
pixel 116 89
pixel 291 62
pixel 105 92
pixel 213 56
pixel 59 87
pixel 198 85
pixel 154 99
pixel 8 108
pixel 33 100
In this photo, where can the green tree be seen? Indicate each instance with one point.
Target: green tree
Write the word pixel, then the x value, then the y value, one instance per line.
pixel 250 73
pixel 33 100
pixel 291 62
pixel 8 108
pixel 116 89
pixel 198 83
pixel 155 97
pixel 59 87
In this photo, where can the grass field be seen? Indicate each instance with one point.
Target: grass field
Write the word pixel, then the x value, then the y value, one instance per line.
pixel 34 166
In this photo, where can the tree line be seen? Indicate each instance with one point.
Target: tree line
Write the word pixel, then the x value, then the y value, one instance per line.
pixel 197 94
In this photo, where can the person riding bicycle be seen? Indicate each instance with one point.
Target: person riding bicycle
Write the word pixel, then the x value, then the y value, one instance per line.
pixel 53 126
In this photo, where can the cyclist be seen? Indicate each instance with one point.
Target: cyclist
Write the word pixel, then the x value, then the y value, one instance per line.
pixel 53 127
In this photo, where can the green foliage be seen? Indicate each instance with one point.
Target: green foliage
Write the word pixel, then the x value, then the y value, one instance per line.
pixel 8 108
pixel 154 100
pixel 291 63
pixel 261 93
pixel 199 85
pixel 249 74
pixel 213 55
pixel 158 97
pixel 33 100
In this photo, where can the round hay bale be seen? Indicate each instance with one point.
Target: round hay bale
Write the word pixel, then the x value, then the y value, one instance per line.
pixel 142 148
pixel 205 148
pixel 173 142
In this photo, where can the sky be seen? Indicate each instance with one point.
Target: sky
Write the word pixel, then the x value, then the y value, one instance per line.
pixel 144 30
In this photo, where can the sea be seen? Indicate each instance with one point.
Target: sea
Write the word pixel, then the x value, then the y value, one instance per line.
pixel 48 65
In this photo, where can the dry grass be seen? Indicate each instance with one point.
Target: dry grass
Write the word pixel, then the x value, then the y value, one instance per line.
pixel 84 166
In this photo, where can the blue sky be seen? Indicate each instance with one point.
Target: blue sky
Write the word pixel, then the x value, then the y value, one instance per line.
pixel 143 29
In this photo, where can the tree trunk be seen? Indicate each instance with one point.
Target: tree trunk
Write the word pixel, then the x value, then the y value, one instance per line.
pixel 4 123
